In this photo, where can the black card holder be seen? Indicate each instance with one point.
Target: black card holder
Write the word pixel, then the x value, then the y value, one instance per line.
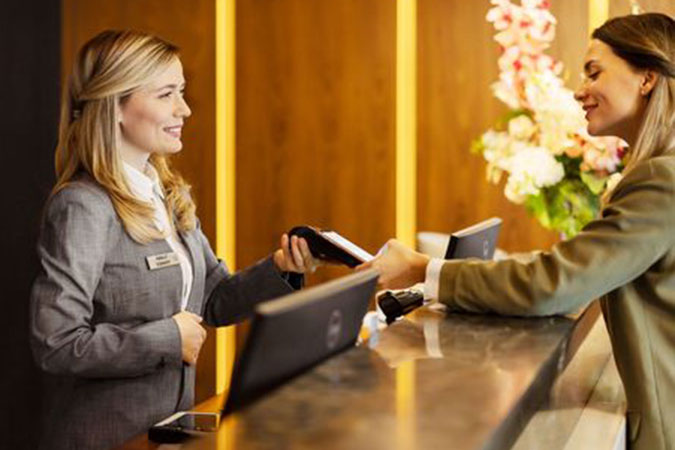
pixel 395 304
pixel 167 435
pixel 324 249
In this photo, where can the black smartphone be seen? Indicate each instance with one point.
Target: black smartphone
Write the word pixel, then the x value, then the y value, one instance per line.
pixel 182 425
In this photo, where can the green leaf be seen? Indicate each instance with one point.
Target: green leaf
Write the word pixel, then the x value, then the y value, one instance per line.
pixel 566 207
pixel 536 206
pixel 571 165
pixel 595 183
pixel 477 146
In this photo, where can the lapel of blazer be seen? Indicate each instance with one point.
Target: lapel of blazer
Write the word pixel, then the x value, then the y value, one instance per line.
pixel 193 304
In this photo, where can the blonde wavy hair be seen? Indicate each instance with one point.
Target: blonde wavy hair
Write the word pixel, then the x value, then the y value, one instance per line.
pixel 107 70
pixel 647 41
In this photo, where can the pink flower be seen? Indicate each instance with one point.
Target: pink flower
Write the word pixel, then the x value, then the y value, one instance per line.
pixel 601 154
pixel 502 15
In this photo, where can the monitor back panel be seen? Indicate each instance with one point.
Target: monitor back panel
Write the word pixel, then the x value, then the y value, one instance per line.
pixel 294 333
pixel 477 241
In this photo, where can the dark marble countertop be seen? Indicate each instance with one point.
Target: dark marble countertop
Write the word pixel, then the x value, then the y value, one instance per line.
pixel 431 380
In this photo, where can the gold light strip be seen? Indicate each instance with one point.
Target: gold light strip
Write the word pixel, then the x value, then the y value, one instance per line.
pixel 227 433
pixel 598 13
pixel 405 406
pixel 406 188
pixel 406 121
pixel 225 169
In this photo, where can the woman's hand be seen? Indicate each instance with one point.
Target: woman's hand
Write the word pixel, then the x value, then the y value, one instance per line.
pixel 399 266
pixel 297 258
pixel 192 335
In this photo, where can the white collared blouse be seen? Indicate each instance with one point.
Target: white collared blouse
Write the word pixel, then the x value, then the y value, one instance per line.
pixel 145 186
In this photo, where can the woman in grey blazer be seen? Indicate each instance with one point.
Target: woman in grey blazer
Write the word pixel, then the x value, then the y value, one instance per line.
pixel 126 273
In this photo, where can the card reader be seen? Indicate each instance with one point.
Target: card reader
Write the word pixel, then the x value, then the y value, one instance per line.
pixel 330 246
pixel 395 304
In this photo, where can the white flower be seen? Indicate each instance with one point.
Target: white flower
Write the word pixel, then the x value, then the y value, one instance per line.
pixel 543 23
pixel 506 90
pixel 507 61
pixel 530 80
pixel 556 139
pixel 497 148
pixel 495 140
pixel 503 14
pixel 534 4
pixel 557 114
pixel 522 127
pixel 531 168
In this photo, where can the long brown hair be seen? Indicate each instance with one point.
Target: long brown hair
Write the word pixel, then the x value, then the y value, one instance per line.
pixel 647 41
pixel 107 70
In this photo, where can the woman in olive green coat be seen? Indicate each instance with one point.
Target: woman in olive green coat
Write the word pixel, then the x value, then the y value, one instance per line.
pixel 626 257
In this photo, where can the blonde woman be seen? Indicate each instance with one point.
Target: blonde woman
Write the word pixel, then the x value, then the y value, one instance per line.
pixel 126 273
pixel 626 257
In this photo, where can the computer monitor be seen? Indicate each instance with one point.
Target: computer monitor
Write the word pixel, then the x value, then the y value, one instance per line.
pixel 476 241
pixel 293 333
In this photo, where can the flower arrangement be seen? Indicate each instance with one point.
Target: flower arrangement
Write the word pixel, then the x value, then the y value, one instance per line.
pixel 552 165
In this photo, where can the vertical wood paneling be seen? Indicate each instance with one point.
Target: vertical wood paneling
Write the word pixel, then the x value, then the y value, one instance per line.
pixel 571 39
pixel 191 26
pixel 457 59
pixel 315 121
pixel 622 7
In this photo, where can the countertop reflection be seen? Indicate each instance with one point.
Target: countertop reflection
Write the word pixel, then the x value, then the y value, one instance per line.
pixel 430 380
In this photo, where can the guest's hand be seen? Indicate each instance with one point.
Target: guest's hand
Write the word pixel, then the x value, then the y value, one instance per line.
pixel 192 335
pixel 297 258
pixel 399 266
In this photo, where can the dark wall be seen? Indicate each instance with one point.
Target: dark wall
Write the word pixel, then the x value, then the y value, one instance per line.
pixel 29 94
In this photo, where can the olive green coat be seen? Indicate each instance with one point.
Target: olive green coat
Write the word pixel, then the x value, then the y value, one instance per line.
pixel 627 257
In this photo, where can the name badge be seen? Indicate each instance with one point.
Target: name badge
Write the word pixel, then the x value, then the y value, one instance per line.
pixel 162 260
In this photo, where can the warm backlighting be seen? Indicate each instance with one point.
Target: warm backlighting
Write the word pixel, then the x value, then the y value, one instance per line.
pixel 405 406
pixel 406 188
pixel 226 433
pixel 225 168
pixel 598 13
pixel 406 121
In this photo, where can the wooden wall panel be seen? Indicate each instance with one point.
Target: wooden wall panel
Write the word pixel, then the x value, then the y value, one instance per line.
pixel 622 7
pixel 457 64
pixel 571 39
pixel 191 26
pixel 315 121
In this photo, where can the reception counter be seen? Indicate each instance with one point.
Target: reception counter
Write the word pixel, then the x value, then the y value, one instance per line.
pixel 430 380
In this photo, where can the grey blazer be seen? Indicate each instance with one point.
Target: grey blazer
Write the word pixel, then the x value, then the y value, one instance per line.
pixel 101 323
